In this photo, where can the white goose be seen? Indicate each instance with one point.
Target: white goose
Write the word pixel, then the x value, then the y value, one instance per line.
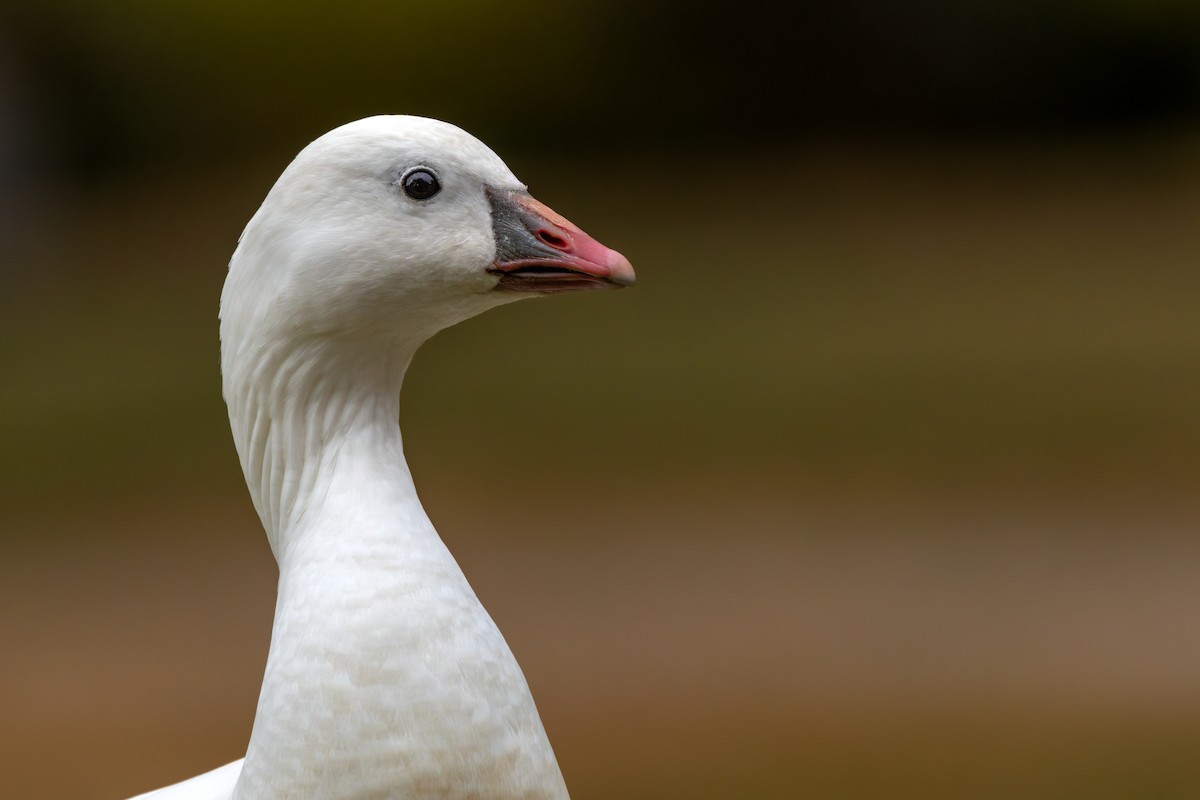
pixel 386 677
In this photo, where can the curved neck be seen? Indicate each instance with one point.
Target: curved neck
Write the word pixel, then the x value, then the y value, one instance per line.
pixel 386 676
pixel 300 413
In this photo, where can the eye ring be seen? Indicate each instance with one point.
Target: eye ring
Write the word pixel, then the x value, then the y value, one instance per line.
pixel 420 183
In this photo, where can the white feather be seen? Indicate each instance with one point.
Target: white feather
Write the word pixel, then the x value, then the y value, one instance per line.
pixel 386 677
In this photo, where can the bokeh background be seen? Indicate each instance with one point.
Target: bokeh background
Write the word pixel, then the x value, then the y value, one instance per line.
pixel 881 484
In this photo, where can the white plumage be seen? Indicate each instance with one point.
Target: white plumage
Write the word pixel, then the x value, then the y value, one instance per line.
pixel 386 677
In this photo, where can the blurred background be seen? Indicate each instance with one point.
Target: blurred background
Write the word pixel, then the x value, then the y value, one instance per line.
pixel 881 483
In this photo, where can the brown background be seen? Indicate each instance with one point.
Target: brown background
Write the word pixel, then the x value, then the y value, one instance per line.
pixel 878 485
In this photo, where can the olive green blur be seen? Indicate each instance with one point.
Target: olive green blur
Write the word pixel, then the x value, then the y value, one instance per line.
pixel 881 483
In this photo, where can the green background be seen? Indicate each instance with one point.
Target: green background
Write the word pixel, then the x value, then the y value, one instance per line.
pixel 879 484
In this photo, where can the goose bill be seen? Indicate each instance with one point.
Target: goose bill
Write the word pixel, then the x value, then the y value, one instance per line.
pixel 538 250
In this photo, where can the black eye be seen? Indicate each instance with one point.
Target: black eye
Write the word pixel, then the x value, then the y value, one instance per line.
pixel 420 184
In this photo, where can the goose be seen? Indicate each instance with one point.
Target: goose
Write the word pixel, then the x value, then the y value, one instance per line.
pixel 386 677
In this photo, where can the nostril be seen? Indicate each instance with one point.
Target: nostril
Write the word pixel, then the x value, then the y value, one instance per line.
pixel 552 239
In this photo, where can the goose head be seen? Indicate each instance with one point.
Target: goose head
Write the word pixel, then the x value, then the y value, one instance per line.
pixel 399 226
pixel 378 235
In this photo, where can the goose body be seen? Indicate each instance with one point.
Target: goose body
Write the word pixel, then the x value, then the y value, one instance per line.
pixel 386 677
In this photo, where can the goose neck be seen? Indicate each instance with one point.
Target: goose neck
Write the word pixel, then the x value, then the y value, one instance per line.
pixel 309 416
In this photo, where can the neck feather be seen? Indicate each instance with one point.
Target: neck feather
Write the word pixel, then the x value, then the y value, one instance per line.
pixel 299 413
pixel 386 676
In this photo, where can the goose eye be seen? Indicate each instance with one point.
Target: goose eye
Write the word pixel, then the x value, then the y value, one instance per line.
pixel 420 184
